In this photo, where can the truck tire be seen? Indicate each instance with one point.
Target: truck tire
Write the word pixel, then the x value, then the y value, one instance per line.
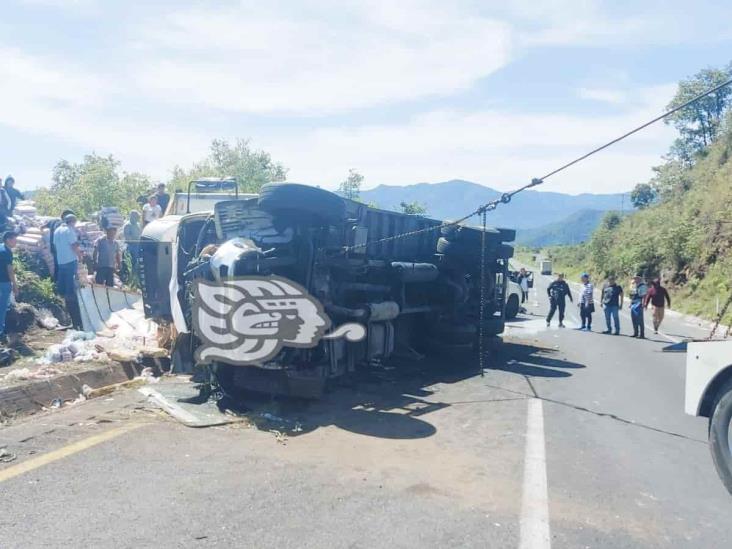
pixel 303 199
pixel 719 435
pixel 512 307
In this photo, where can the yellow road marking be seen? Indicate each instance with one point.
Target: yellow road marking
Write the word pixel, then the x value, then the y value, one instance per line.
pixel 66 451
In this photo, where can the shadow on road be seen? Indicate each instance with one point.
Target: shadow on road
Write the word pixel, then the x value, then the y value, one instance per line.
pixel 532 361
pixel 395 402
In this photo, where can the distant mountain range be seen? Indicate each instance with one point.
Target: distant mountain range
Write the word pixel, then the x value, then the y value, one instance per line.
pixel 573 229
pixel 528 210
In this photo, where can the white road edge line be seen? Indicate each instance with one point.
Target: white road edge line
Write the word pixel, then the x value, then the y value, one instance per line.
pixel 534 533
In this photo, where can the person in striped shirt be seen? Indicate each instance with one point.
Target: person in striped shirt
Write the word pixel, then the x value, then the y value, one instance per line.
pixel 586 303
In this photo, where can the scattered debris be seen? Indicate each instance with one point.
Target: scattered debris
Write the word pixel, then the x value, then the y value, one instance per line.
pixel 25 373
pixel 6 356
pixel 279 436
pixel 77 400
pixel 175 398
pixel 107 389
pixel 147 375
pixel 6 456
pixel 46 319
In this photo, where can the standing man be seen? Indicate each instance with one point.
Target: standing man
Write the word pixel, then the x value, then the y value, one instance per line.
pixel 107 257
pixel 612 302
pixel 5 207
pixel 13 194
pixel 658 296
pixel 586 302
pixel 131 232
pixel 163 198
pixel 68 254
pixel 557 291
pixel 52 226
pixel 523 282
pixel 8 285
pixel 638 291
pixel 151 211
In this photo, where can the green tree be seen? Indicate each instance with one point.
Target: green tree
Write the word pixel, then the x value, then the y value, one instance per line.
pixel 611 220
pixel 643 195
pixel 412 208
pixel 251 168
pixel 699 123
pixel 351 187
pixel 671 179
pixel 86 187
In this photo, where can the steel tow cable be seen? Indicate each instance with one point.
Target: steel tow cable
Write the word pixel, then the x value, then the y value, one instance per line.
pixel 506 197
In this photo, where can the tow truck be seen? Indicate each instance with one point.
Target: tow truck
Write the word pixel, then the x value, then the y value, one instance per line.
pixel 709 394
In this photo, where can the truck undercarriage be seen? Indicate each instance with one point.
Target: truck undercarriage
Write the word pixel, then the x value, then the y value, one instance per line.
pixel 414 294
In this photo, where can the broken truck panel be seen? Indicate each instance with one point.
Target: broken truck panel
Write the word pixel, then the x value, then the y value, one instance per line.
pixel 413 293
pixel 98 303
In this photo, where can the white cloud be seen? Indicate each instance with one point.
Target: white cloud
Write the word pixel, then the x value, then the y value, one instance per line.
pixel 499 149
pixel 68 104
pixel 602 95
pixel 77 5
pixel 290 64
pixel 250 59
pixel 597 23
pixel 630 97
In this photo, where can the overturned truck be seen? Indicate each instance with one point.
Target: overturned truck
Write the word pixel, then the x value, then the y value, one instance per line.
pixel 412 293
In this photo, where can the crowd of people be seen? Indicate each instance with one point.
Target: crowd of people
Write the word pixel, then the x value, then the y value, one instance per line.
pixel 106 259
pixel 107 256
pixel 640 297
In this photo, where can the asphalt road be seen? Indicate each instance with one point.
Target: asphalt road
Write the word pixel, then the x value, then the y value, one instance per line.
pixel 570 439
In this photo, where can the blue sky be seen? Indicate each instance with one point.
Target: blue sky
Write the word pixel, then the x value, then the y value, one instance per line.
pixel 404 92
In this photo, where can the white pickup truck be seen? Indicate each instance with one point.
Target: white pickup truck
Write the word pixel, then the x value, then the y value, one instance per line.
pixel 709 394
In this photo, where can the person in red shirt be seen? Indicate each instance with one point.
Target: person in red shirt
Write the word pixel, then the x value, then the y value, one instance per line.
pixel 658 297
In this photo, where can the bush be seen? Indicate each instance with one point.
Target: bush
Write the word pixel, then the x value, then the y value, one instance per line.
pixel 32 287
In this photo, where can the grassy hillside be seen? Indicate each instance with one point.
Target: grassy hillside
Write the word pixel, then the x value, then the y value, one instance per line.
pixel 685 237
pixel 574 229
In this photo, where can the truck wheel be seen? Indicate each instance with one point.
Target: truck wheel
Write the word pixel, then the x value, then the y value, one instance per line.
pixel 512 307
pixel 302 199
pixel 719 435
